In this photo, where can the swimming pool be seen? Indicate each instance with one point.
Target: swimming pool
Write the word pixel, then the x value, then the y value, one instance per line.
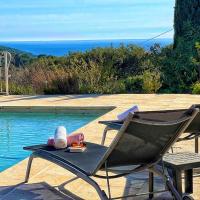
pixel 18 129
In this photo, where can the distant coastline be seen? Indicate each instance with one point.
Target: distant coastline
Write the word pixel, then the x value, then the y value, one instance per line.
pixel 60 48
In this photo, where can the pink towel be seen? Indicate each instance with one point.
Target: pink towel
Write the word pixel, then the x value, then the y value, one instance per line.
pixel 75 138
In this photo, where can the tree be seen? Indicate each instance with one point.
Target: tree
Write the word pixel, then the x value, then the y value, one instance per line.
pixel 186 22
pixel 177 66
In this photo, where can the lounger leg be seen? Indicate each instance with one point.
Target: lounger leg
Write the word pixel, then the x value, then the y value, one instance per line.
pixel 104 135
pixel 168 181
pixel 173 190
pixel 196 144
pixel 151 179
pixel 70 168
pixel 29 168
pixel 108 182
pixel 176 190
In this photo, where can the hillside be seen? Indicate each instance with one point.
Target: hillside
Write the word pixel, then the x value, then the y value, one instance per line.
pixel 20 58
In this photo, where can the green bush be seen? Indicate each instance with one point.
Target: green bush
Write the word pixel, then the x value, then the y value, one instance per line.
pixel 196 88
pixel 133 84
pixel 95 78
pixel 15 89
pixel 178 70
pixel 126 69
pixel 63 85
pixel 113 87
pixel 151 81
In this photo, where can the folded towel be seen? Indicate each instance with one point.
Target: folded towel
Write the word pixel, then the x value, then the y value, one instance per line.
pixel 77 138
pixel 60 138
pixel 123 115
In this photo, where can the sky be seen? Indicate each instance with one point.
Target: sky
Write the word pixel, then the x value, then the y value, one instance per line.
pixel 46 20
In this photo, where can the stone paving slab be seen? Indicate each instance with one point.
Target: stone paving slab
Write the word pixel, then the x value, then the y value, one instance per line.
pixel 37 191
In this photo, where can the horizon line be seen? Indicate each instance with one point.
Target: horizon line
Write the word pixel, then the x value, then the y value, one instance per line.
pixel 63 40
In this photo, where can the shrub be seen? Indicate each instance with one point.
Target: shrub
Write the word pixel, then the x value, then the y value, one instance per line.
pixel 196 88
pixel 178 70
pixel 151 81
pixel 15 89
pixel 63 84
pixel 95 78
pixel 113 87
pixel 133 84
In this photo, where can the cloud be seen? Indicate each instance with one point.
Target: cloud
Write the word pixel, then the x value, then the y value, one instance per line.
pixel 80 18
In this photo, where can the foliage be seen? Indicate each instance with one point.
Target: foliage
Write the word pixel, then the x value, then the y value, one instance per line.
pixel 15 89
pixel 126 69
pixel 196 88
pixel 196 60
pixel 186 21
pixel 20 58
pixel 151 81
pixel 133 84
pixel 178 70
pixel 64 83
pixel 93 78
pixel 178 65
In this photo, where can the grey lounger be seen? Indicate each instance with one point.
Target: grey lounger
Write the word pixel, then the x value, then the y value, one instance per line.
pixel 140 143
pixel 162 115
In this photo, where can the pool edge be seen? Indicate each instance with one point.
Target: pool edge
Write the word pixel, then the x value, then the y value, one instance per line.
pixel 61 109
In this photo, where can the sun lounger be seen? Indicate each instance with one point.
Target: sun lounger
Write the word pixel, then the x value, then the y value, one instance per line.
pixel 193 130
pixel 140 143
pixel 162 115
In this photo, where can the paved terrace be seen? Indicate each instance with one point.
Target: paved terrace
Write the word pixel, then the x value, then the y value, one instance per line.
pixel 48 173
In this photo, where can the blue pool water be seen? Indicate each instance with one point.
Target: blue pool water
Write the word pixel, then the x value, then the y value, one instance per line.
pixel 21 129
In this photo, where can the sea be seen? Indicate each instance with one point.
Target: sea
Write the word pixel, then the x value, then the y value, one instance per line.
pixel 61 48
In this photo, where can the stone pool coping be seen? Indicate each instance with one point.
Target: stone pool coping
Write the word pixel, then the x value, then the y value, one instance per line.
pixel 54 175
pixel 58 109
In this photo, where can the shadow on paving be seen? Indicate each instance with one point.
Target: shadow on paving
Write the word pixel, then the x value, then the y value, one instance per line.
pixel 138 183
pixel 36 191
pixel 135 183
pixel 50 97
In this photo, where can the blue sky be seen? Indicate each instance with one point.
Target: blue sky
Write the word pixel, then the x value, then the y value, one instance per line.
pixel 28 20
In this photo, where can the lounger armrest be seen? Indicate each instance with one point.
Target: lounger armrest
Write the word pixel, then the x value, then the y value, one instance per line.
pixel 110 125
pixel 114 125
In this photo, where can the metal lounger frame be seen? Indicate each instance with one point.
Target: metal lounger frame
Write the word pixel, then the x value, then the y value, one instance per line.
pixel 151 166
pixel 194 134
pixel 89 180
